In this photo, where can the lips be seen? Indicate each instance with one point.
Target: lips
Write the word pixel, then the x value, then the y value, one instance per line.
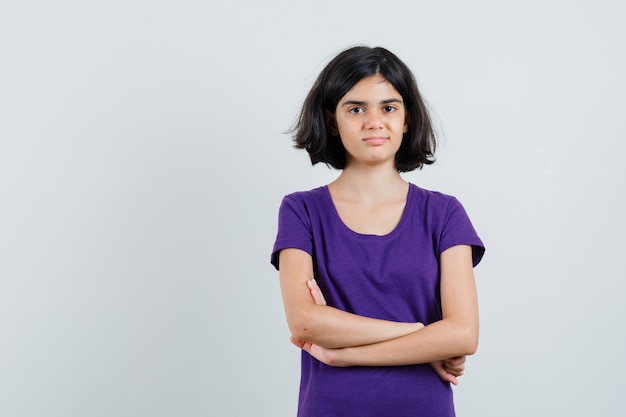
pixel 377 140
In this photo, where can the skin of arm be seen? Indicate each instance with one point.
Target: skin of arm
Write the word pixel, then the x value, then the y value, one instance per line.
pixel 322 325
pixel 448 370
pixel 456 335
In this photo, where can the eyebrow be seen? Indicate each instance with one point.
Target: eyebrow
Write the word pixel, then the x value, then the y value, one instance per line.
pixel 363 103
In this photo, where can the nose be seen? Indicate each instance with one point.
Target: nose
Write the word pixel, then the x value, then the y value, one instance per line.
pixel 373 120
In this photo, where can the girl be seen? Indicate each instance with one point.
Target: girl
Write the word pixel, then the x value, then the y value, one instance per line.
pixel 376 273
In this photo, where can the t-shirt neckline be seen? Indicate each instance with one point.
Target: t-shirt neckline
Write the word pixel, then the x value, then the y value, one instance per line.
pixel 396 229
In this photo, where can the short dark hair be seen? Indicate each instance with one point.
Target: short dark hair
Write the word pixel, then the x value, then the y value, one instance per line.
pixel 336 79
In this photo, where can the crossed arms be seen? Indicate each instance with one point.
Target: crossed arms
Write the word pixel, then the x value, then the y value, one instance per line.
pixel 339 338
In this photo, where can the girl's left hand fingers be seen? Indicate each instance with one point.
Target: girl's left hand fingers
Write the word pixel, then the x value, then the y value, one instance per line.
pixel 455 366
pixel 442 372
pixel 316 292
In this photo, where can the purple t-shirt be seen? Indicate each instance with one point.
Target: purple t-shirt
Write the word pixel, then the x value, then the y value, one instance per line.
pixel 391 277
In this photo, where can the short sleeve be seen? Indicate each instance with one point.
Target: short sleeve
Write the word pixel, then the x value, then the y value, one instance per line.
pixel 294 227
pixel 457 229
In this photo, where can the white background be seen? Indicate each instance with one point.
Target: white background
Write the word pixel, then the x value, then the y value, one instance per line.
pixel 143 159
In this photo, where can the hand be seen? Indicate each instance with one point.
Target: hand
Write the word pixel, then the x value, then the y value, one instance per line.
pixel 449 369
pixel 324 355
pixel 316 292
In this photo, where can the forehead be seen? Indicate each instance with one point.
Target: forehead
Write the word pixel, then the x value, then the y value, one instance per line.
pixel 375 86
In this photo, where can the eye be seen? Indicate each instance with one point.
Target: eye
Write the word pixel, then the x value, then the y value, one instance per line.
pixel 356 110
pixel 389 109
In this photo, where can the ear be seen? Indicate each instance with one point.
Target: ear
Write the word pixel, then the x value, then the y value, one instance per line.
pixel 331 123
pixel 406 124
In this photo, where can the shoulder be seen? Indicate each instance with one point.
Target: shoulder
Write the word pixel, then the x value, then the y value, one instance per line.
pixel 305 195
pixel 314 196
pixel 448 220
pixel 305 204
pixel 437 209
pixel 433 200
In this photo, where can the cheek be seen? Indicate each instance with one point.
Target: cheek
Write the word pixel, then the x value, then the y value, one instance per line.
pixel 347 130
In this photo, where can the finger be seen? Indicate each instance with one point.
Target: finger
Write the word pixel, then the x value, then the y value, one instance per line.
pixel 316 292
pixel 455 372
pixel 458 360
pixel 302 344
pixel 455 366
pixel 455 362
pixel 298 343
pixel 443 374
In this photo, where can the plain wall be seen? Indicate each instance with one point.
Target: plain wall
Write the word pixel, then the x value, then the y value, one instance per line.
pixel 143 159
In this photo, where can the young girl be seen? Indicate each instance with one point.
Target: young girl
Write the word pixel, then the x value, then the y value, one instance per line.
pixel 376 273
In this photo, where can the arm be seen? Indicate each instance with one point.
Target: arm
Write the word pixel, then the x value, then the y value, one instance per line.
pixel 322 325
pixel 455 335
pixel 447 370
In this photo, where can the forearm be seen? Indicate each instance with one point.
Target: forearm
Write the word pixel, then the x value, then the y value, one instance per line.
pixel 438 341
pixel 333 328
pixel 455 336
pixel 311 320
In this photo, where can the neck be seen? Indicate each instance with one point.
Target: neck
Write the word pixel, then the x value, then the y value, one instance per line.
pixel 369 183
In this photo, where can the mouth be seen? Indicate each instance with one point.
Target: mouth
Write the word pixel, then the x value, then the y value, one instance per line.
pixel 375 140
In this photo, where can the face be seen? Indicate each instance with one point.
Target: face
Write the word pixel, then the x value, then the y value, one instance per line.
pixel 370 120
